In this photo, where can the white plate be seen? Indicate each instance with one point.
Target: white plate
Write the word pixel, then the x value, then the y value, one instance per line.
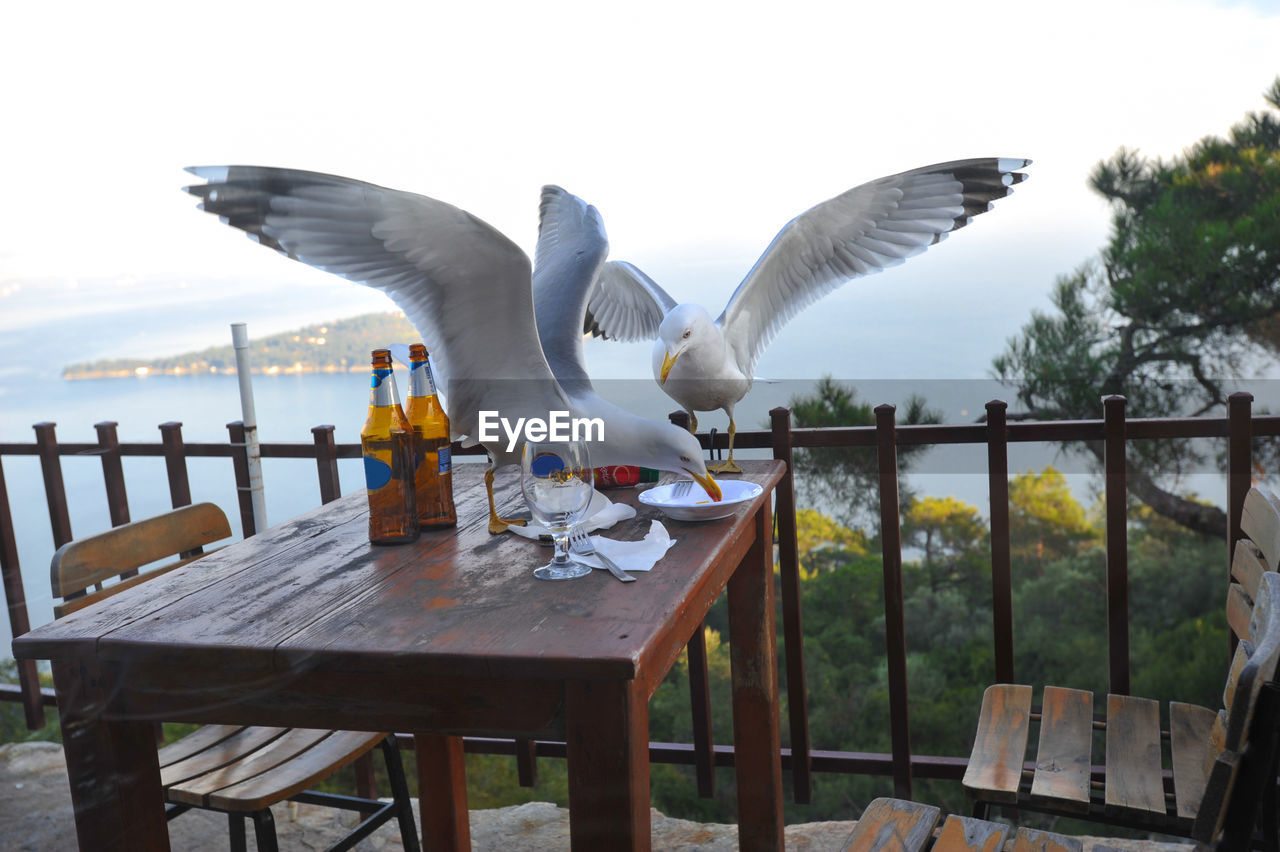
pixel 696 505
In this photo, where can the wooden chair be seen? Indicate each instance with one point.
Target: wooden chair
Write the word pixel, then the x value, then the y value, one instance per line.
pixel 1220 764
pixel 241 771
pixel 897 825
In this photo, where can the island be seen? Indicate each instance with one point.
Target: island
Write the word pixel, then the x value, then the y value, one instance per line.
pixel 339 346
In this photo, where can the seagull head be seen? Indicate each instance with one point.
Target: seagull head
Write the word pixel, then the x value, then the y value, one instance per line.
pixel 684 326
pixel 675 449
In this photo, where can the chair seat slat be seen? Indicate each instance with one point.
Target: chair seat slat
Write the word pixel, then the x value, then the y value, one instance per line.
pixel 1031 840
pixel 893 825
pixel 194 742
pixel 1189 727
pixel 1000 746
pixel 966 834
pixel 221 753
pixel 287 746
pixel 1133 775
pixel 300 773
pixel 1064 755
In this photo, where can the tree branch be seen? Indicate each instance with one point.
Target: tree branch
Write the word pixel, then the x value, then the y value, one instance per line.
pixel 1209 521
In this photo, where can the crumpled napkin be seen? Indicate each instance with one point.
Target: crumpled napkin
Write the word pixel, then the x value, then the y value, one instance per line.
pixel 601 514
pixel 631 555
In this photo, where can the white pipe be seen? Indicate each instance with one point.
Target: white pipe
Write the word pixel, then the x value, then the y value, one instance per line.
pixel 240 340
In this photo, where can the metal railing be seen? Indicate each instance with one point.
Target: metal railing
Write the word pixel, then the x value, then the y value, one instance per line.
pixel 1114 431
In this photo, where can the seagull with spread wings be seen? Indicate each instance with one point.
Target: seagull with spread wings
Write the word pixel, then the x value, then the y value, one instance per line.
pixel 706 364
pixel 468 290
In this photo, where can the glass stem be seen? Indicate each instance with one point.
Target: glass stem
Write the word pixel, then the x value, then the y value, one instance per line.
pixel 562 548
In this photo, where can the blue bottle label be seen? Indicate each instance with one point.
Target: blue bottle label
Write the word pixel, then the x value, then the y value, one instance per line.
pixel 446 459
pixel 377 473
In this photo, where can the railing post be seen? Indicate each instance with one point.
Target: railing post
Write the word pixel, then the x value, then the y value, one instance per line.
pixel 15 597
pixel 1001 560
pixel 1239 464
pixel 1117 527
pixel 704 744
pixel 894 620
pixel 1239 476
pixel 240 462
pixel 527 762
pixel 175 463
pixel 113 472
pixel 699 688
pixel 326 463
pixel 792 623
pixel 55 491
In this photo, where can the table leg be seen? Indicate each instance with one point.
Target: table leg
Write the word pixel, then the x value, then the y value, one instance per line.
pixel 607 740
pixel 442 792
pixel 111 765
pixel 752 648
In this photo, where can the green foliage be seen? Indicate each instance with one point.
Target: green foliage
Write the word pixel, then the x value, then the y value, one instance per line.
pixel 493 782
pixel 1045 521
pixel 1186 289
pixel 844 479
pixel 821 542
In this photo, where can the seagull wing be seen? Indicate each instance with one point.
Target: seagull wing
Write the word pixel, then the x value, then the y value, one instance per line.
pixel 463 285
pixel 626 304
pixel 572 246
pixel 869 228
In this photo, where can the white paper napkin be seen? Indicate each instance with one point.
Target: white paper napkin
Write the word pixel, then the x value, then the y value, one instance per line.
pixel 602 513
pixel 631 555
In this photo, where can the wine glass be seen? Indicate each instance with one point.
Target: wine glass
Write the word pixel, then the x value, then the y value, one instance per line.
pixel 558 483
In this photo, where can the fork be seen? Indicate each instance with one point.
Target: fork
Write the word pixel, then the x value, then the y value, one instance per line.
pixel 682 488
pixel 580 543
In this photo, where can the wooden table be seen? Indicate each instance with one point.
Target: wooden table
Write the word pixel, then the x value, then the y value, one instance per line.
pixel 308 625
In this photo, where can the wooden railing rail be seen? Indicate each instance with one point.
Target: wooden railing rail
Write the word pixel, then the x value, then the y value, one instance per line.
pixel 1114 432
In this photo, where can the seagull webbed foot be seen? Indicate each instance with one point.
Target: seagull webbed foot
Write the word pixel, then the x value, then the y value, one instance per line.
pixel 497 526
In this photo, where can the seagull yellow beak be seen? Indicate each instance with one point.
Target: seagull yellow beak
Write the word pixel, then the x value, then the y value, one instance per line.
pixel 709 485
pixel 668 361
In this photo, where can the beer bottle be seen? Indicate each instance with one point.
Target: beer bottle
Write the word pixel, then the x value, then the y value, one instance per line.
pixel 386 442
pixel 433 475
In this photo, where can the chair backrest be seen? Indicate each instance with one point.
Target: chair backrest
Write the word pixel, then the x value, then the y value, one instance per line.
pixel 81 569
pixel 1242 742
pixel 1259 552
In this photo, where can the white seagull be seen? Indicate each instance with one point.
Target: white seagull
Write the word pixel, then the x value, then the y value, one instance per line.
pixel 706 364
pixel 466 288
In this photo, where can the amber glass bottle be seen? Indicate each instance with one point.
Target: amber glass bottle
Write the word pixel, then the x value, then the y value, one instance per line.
pixel 387 444
pixel 433 474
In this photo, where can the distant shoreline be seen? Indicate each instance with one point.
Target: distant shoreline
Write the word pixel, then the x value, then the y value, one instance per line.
pixel 341 346
pixel 76 374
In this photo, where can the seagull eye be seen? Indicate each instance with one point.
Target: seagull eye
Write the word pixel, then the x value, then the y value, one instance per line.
pixel 688 332
pixel 685 459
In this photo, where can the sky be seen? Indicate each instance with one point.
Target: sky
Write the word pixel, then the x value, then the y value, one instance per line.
pixel 697 129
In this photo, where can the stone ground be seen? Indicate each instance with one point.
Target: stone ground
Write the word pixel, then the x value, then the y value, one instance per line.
pixel 35 814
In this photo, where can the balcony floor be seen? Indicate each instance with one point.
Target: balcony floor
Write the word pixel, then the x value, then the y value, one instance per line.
pixel 35 814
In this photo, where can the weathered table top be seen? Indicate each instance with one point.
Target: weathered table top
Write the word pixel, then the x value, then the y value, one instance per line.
pixel 312 592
